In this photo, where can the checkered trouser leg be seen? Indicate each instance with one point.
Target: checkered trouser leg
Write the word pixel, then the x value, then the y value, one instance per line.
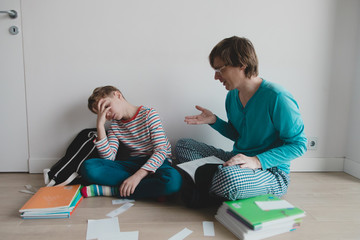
pixel 187 149
pixel 233 182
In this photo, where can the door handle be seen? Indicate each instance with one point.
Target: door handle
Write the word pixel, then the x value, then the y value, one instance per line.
pixel 12 13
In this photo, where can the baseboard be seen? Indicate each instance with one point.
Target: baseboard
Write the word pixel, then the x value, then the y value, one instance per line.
pixel 298 165
pixel 37 165
pixel 351 167
pixel 317 165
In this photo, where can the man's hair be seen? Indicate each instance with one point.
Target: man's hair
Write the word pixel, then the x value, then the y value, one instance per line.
pixel 98 94
pixel 237 52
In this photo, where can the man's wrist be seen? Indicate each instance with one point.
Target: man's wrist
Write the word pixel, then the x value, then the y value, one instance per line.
pixel 213 122
pixel 258 162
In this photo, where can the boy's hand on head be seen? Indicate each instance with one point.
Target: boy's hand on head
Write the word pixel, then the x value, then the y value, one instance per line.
pixel 102 111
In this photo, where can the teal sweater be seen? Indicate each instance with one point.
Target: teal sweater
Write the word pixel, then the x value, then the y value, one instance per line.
pixel 269 127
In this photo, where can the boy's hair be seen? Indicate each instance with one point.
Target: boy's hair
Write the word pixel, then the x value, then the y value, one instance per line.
pixel 237 52
pixel 100 93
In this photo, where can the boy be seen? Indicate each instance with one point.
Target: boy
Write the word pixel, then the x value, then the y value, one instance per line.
pixel 147 173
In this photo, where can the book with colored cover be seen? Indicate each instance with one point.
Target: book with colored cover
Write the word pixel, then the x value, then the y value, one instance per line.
pixel 259 217
pixel 243 232
pixel 257 235
pixel 249 213
pixel 52 202
pixel 53 214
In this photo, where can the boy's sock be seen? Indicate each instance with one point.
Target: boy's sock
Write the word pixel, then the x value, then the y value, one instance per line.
pixel 99 190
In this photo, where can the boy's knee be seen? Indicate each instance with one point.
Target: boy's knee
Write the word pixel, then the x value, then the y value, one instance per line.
pixel 85 166
pixel 176 184
pixel 89 170
pixel 173 182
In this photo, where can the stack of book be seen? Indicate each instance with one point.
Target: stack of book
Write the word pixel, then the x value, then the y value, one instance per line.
pixel 52 202
pixel 259 217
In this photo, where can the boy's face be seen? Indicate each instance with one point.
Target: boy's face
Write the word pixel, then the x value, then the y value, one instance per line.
pixel 110 106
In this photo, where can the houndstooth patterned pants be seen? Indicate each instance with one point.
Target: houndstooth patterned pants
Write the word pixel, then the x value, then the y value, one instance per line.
pixel 233 182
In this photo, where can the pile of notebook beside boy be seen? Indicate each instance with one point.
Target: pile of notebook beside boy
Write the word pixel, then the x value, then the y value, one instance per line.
pixel 249 219
pixel 52 202
pixel 259 217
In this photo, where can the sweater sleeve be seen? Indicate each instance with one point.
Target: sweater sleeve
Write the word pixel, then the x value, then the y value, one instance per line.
pixel 107 147
pixel 160 143
pixel 225 128
pixel 288 122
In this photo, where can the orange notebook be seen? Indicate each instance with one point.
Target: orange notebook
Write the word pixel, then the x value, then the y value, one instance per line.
pixel 52 199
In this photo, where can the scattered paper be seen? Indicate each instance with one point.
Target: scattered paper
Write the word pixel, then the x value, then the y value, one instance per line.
pixel 30 189
pixel 27 191
pixel 102 228
pixel 120 210
pixel 121 201
pixel 122 236
pixel 272 205
pixel 208 228
pixel 181 235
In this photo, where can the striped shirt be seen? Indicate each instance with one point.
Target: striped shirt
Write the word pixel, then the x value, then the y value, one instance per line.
pixel 143 135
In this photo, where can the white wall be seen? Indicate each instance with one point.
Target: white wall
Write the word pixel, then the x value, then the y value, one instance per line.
pixel 352 161
pixel 156 53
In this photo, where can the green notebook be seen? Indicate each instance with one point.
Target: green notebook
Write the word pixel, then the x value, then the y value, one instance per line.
pixel 250 214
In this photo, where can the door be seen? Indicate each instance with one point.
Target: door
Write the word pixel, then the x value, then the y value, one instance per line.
pixel 13 123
